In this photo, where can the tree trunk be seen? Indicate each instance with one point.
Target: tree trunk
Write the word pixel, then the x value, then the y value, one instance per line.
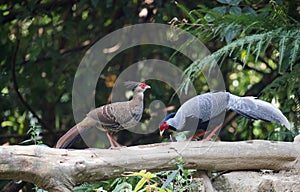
pixel 61 169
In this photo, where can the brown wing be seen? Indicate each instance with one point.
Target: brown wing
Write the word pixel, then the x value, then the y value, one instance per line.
pixel 104 116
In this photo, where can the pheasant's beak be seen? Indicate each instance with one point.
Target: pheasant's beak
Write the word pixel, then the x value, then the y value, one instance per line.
pixel 147 87
pixel 161 133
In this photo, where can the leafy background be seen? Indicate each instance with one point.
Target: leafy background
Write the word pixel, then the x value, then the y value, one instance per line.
pixel 255 42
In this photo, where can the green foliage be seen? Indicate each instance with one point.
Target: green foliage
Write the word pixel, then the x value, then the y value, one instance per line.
pixel 146 176
pixel 223 24
pixel 178 181
pixel 35 138
pixel 271 30
pixel 288 48
pixel 289 87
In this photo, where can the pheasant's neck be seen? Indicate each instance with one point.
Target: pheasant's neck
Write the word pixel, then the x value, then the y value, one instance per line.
pixel 138 97
pixel 177 122
pixel 137 100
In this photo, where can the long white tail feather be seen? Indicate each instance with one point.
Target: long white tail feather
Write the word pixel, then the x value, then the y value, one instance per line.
pixel 257 109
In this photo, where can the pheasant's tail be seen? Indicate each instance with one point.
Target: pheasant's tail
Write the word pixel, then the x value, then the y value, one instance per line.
pixel 68 138
pixel 257 109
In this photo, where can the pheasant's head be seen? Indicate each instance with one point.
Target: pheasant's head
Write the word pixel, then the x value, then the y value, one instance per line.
pixel 137 86
pixel 164 123
pixel 164 126
pixel 142 87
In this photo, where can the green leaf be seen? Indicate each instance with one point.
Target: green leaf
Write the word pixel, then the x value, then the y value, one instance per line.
pixel 26 141
pixel 142 173
pixel 186 11
pixel 248 50
pixel 230 35
pixel 140 184
pixel 7 124
pixel 123 187
pixel 224 1
pixel 221 10
pixel 235 10
pixel 34 54
pixel 258 49
pixel 170 179
pixel 267 41
pixel 235 2
pixel 249 11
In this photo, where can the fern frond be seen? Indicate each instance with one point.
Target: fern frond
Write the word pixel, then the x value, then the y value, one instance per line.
pixel 258 49
pixel 282 46
pixel 294 52
pixel 288 45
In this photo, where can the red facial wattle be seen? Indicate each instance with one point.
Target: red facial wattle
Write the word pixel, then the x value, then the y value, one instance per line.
pixel 164 126
pixel 143 85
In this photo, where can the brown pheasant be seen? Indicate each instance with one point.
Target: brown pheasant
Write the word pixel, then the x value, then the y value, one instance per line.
pixel 111 117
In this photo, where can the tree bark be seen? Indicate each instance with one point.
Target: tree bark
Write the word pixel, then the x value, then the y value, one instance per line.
pixel 61 169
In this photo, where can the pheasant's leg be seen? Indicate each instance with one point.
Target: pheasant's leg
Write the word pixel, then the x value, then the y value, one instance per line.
pixel 110 139
pixel 116 144
pixel 113 143
pixel 200 134
pixel 212 132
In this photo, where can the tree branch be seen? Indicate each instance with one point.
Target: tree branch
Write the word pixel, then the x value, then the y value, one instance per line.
pixel 16 88
pixel 60 169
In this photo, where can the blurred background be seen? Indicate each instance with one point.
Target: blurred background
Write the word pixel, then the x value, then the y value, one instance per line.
pixel 255 42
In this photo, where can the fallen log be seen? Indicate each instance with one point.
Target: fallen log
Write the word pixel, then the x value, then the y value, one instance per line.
pixel 61 169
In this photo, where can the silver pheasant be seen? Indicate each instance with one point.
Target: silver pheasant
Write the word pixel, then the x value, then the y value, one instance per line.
pixel 207 107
